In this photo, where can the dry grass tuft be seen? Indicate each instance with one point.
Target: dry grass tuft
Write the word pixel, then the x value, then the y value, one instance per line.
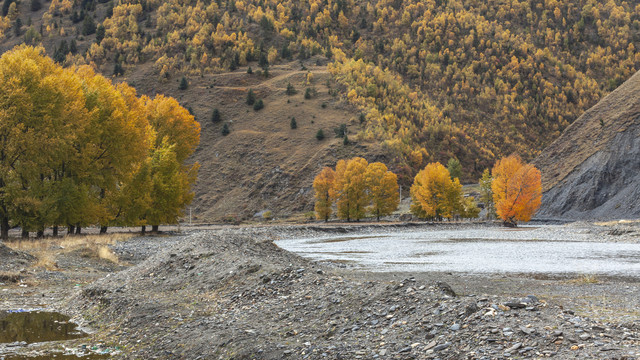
pixel 105 253
pixel 46 260
pixel 10 276
pixel 47 250
pixel 585 279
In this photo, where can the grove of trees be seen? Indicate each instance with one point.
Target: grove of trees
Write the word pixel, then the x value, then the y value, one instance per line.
pixel 77 150
pixel 511 189
pixel 356 188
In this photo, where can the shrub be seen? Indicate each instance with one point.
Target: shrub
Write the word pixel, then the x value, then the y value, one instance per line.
pixel 36 5
pixel 184 84
pixel 258 105
pixel 267 215
pixel 100 32
pixel 88 26
pixel 293 123
pixel 118 70
pixel 290 90
pixel 249 70
pixel 215 116
pixel 251 97
pixel 225 129
pixel 307 94
pixel 345 140
pixel 320 135
pixel 340 131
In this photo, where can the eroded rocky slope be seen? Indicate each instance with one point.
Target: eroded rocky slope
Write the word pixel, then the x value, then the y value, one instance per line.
pixel 593 170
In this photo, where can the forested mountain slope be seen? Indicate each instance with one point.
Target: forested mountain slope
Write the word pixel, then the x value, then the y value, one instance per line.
pixel 474 79
pixel 593 170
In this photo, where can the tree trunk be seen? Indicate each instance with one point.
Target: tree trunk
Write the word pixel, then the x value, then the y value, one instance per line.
pixel 40 234
pixel 55 231
pixel 510 223
pixel 71 229
pixel 144 230
pixel 25 234
pixel 103 229
pixel 154 228
pixel 78 230
pixel 4 225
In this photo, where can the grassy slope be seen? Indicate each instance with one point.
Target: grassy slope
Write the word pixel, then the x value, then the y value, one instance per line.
pixel 262 164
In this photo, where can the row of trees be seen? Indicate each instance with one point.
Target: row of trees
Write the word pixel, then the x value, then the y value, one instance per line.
pixel 356 187
pixel 77 150
pixel 512 190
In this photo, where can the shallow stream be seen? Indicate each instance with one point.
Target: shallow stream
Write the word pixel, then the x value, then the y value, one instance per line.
pixel 548 249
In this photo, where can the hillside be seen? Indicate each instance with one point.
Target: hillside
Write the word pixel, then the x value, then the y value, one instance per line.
pixel 263 164
pixel 593 170
pixel 416 81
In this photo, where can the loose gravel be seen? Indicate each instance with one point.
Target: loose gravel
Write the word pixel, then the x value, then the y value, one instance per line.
pixel 233 294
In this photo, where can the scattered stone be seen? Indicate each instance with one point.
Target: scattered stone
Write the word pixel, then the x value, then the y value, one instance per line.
pixel 446 288
pixel 513 348
pixel 430 345
pixel 515 305
pixel 441 347
pixel 471 309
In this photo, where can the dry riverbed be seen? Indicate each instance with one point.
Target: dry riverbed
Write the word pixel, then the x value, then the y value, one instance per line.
pixel 230 293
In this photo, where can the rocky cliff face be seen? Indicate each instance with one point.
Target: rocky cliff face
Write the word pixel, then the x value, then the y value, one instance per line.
pixel 593 170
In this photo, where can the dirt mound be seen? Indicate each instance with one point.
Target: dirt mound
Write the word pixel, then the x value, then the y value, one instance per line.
pixel 235 295
pixel 11 260
pixel 593 170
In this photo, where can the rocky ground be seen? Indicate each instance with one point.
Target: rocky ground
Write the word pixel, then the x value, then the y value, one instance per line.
pixel 230 293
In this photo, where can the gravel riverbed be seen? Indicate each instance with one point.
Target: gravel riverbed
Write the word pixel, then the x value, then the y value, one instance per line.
pixel 230 293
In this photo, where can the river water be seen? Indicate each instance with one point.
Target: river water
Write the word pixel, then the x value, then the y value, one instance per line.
pixel 547 249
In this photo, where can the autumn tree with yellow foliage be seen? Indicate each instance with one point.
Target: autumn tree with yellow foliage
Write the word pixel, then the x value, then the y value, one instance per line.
pixel 323 184
pixel 517 190
pixel 350 190
pixel 435 195
pixel 382 186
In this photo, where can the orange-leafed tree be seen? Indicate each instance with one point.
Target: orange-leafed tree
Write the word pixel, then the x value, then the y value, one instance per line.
pixel 382 185
pixel 350 188
pixel 434 194
pixel 322 185
pixel 517 190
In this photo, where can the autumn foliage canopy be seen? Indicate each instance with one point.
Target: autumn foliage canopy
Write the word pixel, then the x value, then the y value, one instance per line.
pixel 435 195
pixel 77 150
pixel 357 188
pixel 517 190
